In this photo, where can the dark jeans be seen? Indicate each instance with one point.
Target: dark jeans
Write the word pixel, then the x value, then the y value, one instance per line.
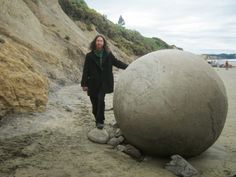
pixel 98 104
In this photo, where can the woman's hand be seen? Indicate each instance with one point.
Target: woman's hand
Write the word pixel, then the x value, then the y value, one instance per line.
pixel 85 88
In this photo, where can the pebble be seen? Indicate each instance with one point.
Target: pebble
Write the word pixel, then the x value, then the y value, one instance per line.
pixel 180 167
pixel 116 141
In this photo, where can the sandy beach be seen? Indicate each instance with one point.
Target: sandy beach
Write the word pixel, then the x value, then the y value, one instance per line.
pixel 55 144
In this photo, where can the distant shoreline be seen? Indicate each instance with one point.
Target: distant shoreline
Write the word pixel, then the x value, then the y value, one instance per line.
pixel 218 62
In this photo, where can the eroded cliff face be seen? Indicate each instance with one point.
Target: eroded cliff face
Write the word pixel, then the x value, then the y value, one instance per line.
pixel 41 49
pixel 22 88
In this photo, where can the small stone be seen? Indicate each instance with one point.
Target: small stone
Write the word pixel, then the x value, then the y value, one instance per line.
pixel 121 139
pixel 111 134
pixel 115 141
pixel 118 133
pixel 120 148
pixel 180 167
pixel 98 136
pixel 133 152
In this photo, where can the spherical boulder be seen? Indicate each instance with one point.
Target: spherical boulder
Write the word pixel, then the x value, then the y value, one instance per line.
pixel 170 102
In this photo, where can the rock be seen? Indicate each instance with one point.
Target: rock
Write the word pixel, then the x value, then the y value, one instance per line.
pixel 180 167
pixel 98 136
pixel 118 133
pixel 120 148
pixel 133 152
pixel 111 133
pixel 174 100
pixel 115 141
pixel 22 88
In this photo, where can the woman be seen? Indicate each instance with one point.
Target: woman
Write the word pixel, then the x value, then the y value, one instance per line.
pixel 97 78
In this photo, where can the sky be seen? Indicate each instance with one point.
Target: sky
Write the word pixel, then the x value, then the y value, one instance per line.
pixel 198 26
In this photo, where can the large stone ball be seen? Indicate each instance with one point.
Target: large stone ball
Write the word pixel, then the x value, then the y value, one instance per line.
pixel 170 102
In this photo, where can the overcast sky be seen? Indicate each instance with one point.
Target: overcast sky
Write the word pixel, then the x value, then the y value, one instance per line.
pixel 199 26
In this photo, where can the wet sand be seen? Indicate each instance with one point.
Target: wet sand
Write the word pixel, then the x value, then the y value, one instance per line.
pixel 54 143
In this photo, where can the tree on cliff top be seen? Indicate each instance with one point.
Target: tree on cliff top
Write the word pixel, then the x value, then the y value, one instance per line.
pixel 121 21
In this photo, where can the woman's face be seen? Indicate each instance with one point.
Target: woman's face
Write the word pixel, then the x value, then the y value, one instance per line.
pixel 99 43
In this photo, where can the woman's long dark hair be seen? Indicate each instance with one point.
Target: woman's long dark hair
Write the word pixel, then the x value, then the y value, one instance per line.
pixel 93 43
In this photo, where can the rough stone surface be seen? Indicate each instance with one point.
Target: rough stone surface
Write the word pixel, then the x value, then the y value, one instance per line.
pixel 133 152
pixel 118 133
pixel 170 102
pixel 98 136
pixel 22 88
pixel 115 125
pixel 115 141
pixel 120 148
pixel 68 108
pixel 31 150
pixel 180 167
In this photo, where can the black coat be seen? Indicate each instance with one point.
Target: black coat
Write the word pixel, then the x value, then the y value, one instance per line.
pixel 96 77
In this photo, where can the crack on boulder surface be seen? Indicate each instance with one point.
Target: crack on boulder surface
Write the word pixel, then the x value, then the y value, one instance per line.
pixel 212 121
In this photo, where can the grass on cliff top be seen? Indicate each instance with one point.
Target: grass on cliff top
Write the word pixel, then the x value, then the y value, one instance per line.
pixel 129 41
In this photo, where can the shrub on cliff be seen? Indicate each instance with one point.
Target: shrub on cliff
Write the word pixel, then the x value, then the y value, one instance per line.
pixel 130 41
